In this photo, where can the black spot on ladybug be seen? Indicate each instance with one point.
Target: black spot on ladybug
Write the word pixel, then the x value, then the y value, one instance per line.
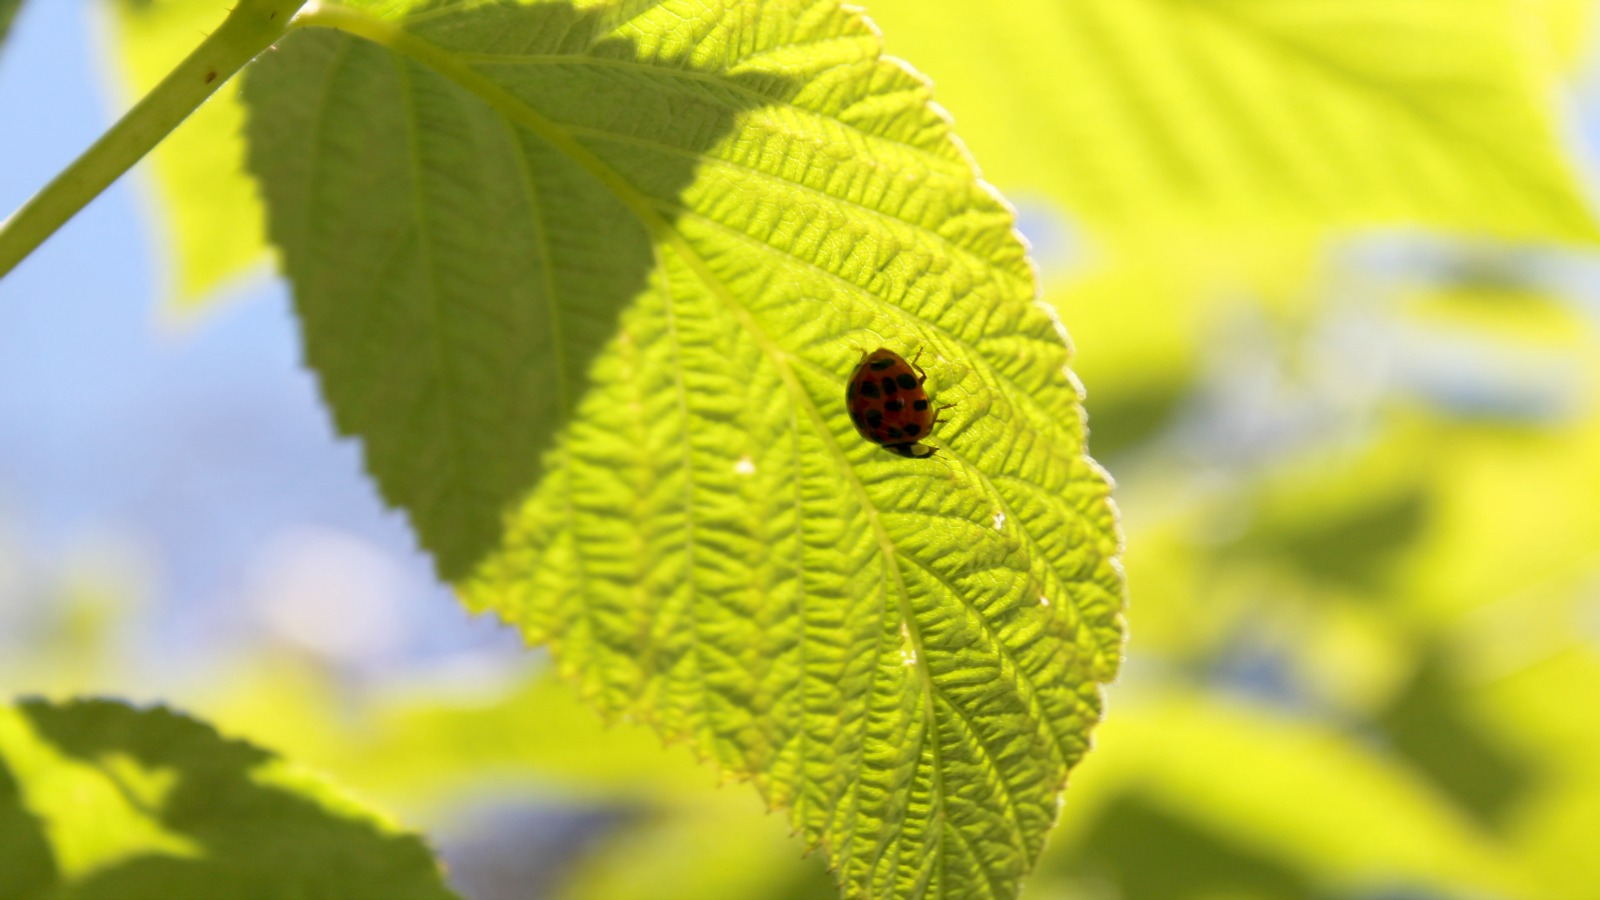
pixel 855 417
pixel 920 405
pixel 895 433
pixel 874 417
pixel 912 428
pixel 907 380
pixel 894 405
pixel 889 387
pixel 878 365
pixel 870 389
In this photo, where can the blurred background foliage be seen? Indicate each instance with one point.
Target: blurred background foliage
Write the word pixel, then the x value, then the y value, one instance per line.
pixel 1330 270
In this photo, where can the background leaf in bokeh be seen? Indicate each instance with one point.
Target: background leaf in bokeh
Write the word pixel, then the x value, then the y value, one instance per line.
pixel 206 204
pixel 99 799
pixel 8 11
pixel 1568 26
pixel 1200 783
pixel 611 399
pixel 1144 116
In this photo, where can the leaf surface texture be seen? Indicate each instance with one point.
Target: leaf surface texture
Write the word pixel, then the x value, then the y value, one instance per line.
pixel 587 283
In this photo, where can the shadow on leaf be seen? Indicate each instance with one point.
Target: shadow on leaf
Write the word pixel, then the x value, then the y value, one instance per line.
pixel 455 271
pixel 1152 854
pixel 27 864
pixel 255 838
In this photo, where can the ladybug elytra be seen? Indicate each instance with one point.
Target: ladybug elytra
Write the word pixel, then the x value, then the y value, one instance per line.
pixel 889 405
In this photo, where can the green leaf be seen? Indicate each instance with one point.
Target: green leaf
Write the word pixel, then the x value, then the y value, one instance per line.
pixel 1568 30
pixel 588 282
pixel 8 11
pixel 208 206
pixel 98 799
pixel 1188 796
pixel 1531 705
pixel 1142 115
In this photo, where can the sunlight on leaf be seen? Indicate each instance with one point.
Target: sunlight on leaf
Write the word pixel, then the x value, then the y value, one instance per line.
pixel 1533 706
pixel 1224 768
pixel 207 204
pixel 94 816
pixel 99 799
pixel 1141 115
pixel 1569 29
pixel 588 281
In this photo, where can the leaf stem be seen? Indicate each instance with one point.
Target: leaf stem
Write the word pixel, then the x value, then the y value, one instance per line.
pixel 251 27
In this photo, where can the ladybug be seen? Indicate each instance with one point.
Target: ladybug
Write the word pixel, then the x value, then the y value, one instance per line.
pixel 888 404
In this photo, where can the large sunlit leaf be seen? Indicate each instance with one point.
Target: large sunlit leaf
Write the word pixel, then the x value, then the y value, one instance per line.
pixel 98 799
pixel 207 206
pixel 587 283
pixel 1148 114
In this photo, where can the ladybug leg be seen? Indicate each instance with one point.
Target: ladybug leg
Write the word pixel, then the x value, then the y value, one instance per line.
pixel 936 410
pixel 921 375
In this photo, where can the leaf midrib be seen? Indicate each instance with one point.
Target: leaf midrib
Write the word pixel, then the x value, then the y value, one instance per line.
pixel 441 358
pixel 514 108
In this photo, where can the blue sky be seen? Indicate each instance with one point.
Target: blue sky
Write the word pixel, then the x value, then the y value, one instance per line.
pixel 205 450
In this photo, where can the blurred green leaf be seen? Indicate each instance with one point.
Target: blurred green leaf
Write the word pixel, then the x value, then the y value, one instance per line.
pixel 8 11
pixel 588 285
pixel 1541 707
pixel 1338 533
pixel 98 799
pixel 696 851
pixel 1147 115
pixel 1514 508
pixel 421 752
pixel 1297 808
pixel 29 867
pixel 1569 29
pixel 1127 418
pixel 1152 854
pixel 1430 725
pixel 207 203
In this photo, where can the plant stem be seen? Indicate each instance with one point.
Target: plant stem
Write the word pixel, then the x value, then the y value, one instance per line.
pixel 251 27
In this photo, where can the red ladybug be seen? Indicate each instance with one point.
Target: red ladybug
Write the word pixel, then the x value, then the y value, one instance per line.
pixel 888 404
